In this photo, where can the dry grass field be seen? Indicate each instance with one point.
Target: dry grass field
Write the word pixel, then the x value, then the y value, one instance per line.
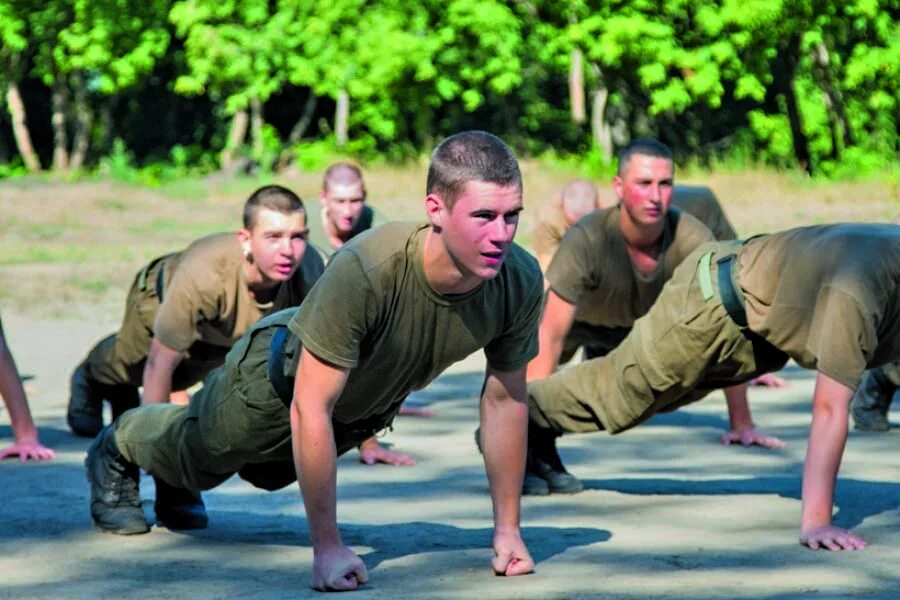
pixel 66 248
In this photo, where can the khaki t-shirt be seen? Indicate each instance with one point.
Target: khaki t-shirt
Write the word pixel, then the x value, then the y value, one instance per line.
pixel 315 216
pixel 375 313
pixel 703 204
pixel 205 297
pixel 699 201
pixel 829 296
pixel 593 270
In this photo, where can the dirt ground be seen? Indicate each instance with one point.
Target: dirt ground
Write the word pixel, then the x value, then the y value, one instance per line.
pixel 668 512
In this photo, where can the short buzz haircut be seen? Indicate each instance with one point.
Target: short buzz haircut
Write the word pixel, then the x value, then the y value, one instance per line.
pixel 273 197
pixel 343 173
pixel 471 156
pixel 644 147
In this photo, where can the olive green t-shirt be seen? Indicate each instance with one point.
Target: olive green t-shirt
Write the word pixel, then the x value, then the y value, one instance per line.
pixel 315 222
pixel 375 313
pixel 206 299
pixel 703 204
pixel 700 201
pixel 829 296
pixel 593 270
pixel 549 228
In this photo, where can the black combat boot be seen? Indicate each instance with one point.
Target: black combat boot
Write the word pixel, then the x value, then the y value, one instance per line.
pixel 178 508
pixel 871 402
pixel 85 412
pixel 121 397
pixel 115 499
pixel 544 463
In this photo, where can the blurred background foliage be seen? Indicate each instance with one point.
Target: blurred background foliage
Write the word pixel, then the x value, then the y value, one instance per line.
pixel 163 89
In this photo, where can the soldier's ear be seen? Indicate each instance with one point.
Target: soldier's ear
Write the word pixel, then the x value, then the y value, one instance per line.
pixel 243 236
pixel 618 186
pixel 435 209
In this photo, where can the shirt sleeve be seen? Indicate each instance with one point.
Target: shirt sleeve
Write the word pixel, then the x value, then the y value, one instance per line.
pixel 193 295
pixel 842 336
pixel 336 315
pixel 571 271
pixel 518 342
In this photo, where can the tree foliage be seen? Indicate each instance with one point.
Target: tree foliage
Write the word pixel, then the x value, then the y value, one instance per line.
pixel 793 83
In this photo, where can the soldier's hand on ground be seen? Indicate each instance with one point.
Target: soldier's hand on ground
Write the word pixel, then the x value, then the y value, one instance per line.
pixel 829 537
pixel 28 450
pixel 416 411
pixel 511 556
pixel 770 380
pixel 371 453
pixel 338 570
pixel 751 437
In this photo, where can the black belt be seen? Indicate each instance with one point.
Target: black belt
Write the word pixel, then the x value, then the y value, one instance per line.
pixel 159 281
pixel 728 292
pixel 281 383
pixel 346 435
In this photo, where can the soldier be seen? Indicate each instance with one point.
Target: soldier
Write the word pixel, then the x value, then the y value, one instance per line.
pixel 26 445
pixel 824 296
pixel 343 213
pixel 393 309
pixel 607 272
pixel 185 310
pixel 580 197
pixel 873 398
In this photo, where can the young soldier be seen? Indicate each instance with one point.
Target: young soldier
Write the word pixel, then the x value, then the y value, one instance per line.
pixel 608 271
pixel 873 398
pixel 394 308
pixel 825 296
pixel 185 310
pixel 343 213
pixel 26 445
pixel 554 218
pixel 581 197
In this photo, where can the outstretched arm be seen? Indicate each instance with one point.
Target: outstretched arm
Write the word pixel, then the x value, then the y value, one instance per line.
pixel 26 445
pixel 827 436
pixel 161 364
pixel 556 320
pixel 316 389
pixel 742 428
pixel 504 429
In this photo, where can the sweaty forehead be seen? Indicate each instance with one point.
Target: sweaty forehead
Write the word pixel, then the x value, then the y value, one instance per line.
pixel 344 191
pixel 274 220
pixel 484 195
pixel 643 165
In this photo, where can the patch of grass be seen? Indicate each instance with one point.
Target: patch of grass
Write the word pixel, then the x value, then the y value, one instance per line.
pixel 12 253
pixel 93 286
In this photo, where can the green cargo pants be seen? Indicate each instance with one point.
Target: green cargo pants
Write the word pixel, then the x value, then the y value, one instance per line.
pixel 120 358
pixel 236 423
pixel 682 349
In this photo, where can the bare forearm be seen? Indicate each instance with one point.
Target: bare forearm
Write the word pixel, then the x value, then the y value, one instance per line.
pixel 14 396
pixel 157 384
pixel 739 415
pixel 504 428
pixel 827 437
pixel 315 458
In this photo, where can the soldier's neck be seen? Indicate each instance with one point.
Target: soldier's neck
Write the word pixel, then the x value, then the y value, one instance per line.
pixel 644 244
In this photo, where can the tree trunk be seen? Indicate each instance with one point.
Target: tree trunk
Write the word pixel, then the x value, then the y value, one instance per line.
pixel 306 117
pixel 256 128
pixel 576 87
pixel 341 118
pixel 84 119
pixel 833 100
pixel 107 124
pixel 59 102
pixel 599 127
pixel 20 127
pixel 785 70
pixel 236 134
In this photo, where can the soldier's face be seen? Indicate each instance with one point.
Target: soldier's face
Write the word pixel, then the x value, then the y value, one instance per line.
pixel 343 205
pixel 478 230
pixel 276 243
pixel 645 188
